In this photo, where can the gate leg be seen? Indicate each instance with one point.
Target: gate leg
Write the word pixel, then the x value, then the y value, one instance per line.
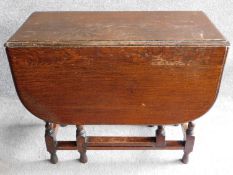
pixel 189 142
pixel 50 140
pixel 81 143
pixel 160 136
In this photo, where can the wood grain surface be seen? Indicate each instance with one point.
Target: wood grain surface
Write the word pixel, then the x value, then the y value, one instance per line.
pixel 117 85
pixel 117 67
pixel 153 68
pixel 75 29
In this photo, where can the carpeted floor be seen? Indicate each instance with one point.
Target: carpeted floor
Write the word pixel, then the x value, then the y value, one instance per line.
pixel 22 147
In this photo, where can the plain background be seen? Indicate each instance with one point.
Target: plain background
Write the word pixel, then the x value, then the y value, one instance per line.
pixel 22 148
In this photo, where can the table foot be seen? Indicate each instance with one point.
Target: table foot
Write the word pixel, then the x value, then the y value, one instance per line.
pixel 185 158
pixel 53 158
pixel 83 157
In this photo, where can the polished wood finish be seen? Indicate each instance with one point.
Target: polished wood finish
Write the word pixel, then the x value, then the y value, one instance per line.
pixel 152 68
pixel 117 85
pixel 64 75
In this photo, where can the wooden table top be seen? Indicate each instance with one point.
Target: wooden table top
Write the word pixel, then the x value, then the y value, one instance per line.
pixel 117 67
pixel 117 28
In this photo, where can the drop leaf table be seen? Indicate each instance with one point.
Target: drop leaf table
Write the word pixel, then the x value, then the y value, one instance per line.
pixel 117 68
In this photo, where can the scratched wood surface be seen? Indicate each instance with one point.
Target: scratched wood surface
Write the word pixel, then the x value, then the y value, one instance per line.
pixel 117 67
pixel 116 28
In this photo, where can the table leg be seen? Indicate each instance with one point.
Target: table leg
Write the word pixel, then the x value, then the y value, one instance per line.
pixel 81 143
pixel 189 142
pixel 50 139
pixel 160 136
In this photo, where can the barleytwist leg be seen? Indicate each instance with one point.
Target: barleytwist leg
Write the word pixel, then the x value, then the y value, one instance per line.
pixel 51 143
pixel 81 143
pixel 189 142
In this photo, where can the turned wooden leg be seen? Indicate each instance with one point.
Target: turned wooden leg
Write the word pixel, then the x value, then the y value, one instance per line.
pixel 81 143
pixel 160 136
pixel 50 139
pixel 189 142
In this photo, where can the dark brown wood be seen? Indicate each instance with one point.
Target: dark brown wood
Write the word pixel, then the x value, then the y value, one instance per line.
pixel 117 85
pixel 122 143
pixel 50 139
pixel 140 68
pixel 189 141
pixel 84 143
pixel 81 143
pixel 160 136
pixel 51 29
pixel 96 70
pixel 171 145
pixel 67 145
